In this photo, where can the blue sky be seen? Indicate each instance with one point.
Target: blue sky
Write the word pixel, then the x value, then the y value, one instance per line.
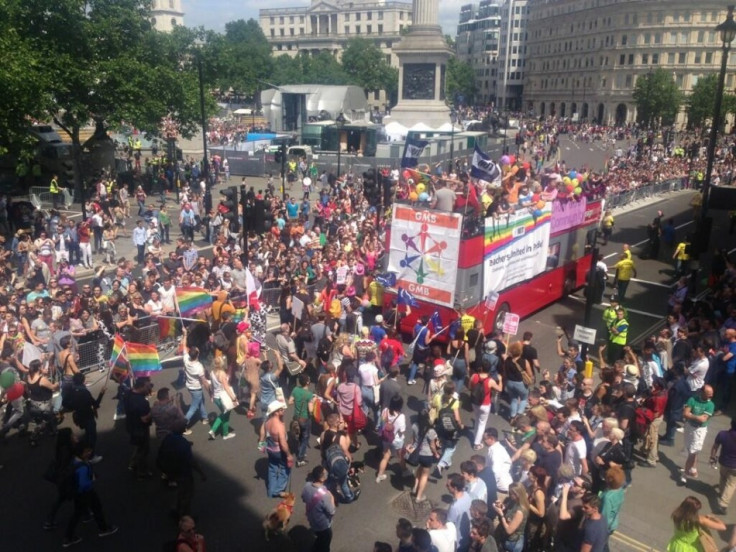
pixel 213 14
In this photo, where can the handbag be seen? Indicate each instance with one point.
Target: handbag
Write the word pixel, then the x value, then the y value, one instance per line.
pixel 706 541
pixel 472 351
pixel 525 377
pixel 295 368
pixel 359 420
pixel 227 402
pixel 413 458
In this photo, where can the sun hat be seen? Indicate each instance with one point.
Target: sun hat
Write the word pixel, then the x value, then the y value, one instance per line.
pixel 275 406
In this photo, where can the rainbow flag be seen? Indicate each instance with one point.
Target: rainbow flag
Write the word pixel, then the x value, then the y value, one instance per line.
pixel 167 327
pixel 142 358
pixel 192 300
pixel 118 360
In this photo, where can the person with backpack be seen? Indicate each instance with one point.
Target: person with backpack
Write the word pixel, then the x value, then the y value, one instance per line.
pixel 448 424
pixel 481 387
pixel 393 430
pixel 336 458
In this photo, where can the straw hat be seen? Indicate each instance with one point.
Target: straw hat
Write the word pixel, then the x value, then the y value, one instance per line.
pixel 275 406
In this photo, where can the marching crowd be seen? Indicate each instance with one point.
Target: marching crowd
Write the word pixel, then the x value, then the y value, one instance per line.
pixel 556 481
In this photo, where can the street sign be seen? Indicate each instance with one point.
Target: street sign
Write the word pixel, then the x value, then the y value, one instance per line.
pixel 584 335
pixel 511 323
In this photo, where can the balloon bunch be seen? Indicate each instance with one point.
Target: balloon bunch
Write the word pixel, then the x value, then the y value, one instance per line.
pixel 417 183
pixel 573 183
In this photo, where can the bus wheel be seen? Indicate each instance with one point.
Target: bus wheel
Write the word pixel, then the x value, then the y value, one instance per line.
pixel 500 315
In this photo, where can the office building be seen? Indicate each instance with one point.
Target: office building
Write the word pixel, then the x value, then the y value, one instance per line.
pixel 584 56
pixel 477 43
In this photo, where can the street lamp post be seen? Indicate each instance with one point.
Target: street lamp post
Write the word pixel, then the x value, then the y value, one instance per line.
pixel 727 29
pixel 339 123
pixel 453 120
pixel 205 163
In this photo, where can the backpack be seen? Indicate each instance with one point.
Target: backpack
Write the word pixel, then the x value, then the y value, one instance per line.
pixel 478 392
pixel 388 434
pixel 324 348
pixel 644 417
pixel 446 423
pixel 334 454
pixel 220 341
pixel 387 357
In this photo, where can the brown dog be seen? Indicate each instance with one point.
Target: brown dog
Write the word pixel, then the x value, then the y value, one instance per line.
pixel 277 520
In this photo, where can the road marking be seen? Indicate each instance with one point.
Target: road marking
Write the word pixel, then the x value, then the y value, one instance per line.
pixel 642 242
pixel 645 281
pixel 635 311
pixel 633 543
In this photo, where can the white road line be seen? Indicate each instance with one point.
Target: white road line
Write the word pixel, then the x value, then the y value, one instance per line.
pixel 642 242
pixel 645 281
pixel 635 311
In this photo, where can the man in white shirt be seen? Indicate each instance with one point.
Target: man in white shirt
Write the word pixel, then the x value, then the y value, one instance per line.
pixel 168 293
pixel 697 370
pixel 475 486
pixel 139 239
pixel 442 532
pixel 196 382
pixel 576 451
pixel 499 461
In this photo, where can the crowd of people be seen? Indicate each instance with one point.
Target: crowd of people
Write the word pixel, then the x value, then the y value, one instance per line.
pixel 555 481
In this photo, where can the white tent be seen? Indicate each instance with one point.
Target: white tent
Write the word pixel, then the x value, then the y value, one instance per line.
pixel 447 127
pixel 420 127
pixel 395 130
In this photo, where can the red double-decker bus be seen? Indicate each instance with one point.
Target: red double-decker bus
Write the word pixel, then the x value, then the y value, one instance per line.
pixel 518 262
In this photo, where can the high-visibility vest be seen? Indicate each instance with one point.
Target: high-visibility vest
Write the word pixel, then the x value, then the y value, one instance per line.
pixel 54 186
pixel 620 338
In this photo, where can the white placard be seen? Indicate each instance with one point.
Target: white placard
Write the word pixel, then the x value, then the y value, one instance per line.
pixel 584 335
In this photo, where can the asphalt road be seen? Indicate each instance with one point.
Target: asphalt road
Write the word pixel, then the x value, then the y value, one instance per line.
pixel 230 506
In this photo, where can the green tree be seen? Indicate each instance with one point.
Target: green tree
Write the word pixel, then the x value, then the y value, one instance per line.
pixel 365 65
pixel 657 97
pixel 308 69
pixel 105 64
pixel 701 102
pixel 460 81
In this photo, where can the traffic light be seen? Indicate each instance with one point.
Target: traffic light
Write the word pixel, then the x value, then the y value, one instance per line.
pixel 371 188
pixel 389 190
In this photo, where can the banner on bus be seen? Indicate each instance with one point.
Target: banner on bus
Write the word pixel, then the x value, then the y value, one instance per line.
pixel 573 213
pixel 516 247
pixel 424 252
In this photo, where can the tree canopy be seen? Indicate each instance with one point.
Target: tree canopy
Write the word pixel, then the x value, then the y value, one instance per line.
pixel 657 97
pixel 460 82
pixel 702 99
pixel 365 65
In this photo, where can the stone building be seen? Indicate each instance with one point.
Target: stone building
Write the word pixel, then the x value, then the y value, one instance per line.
pixel 327 26
pixel 584 56
pixel 166 14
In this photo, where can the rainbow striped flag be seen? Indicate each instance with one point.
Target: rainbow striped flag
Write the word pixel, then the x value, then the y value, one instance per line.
pixel 120 365
pixel 192 300
pixel 167 327
pixel 142 358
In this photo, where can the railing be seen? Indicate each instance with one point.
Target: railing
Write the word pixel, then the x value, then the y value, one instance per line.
pixel 94 353
pixel 41 197
pixel 621 199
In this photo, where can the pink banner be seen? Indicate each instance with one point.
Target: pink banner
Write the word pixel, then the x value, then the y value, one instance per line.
pixel 567 214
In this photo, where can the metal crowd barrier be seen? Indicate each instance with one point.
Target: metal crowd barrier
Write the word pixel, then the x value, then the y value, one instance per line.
pixel 621 199
pixel 41 197
pixel 94 354
pixel 270 297
pixel 150 335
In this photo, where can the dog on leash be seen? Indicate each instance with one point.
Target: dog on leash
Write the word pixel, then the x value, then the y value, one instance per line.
pixel 277 520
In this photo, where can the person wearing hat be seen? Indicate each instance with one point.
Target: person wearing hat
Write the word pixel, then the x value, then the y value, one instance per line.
pixel 280 459
pixel 378 332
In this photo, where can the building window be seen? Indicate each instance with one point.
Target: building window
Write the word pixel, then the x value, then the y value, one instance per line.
pixel 380 16
pixel 369 29
pixel 622 59
pixel 671 58
pixel 684 37
pixel 709 58
pixel 647 38
pixel 273 33
pixel 301 31
pixel 347 17
pixel 658 38
pixel 291 31
pixel 660 17
pixel 272 21
pixel 698 57
pixel 291 19
pixel 380 29
pixel 655 59
pixel 673 38
pixel 631 59
pixel 301 19
pixel 650 18
pixel 645 59
pixel 357 16
pixel 401 16
pixel 281 32
pixel 357 29
pixel 369 16
pixel 681 58
pixel 629 81
pixel 711 37
pixel 347 29
pixel 281 20
pixel 624 40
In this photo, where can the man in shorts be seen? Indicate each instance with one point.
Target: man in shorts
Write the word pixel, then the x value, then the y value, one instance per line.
pixel 698 410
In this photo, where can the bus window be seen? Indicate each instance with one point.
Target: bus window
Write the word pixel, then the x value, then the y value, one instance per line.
pixel 553 255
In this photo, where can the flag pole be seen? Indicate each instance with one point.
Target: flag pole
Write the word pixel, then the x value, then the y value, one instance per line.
pixel 179 318
pixel 112 363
